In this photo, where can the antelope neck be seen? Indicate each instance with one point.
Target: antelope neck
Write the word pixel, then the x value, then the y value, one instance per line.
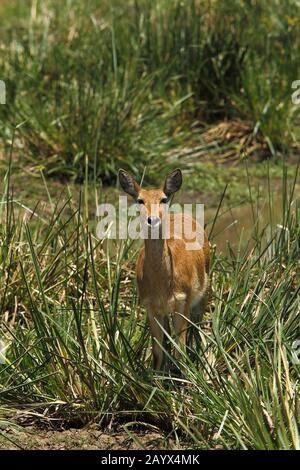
pixel 156 252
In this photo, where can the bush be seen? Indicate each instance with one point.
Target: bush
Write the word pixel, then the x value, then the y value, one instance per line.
pixel 109 84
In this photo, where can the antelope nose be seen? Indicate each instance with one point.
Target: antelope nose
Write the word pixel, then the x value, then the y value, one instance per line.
pixel 153 221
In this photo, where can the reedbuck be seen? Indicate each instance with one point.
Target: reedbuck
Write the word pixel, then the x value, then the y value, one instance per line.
pixel 172 279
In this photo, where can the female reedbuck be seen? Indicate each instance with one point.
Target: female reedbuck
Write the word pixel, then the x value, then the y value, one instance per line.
pixel 172 267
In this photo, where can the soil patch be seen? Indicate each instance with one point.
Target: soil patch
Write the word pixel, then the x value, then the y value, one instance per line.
pixel 31 438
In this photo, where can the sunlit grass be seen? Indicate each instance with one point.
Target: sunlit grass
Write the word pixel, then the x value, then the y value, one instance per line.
pixel 78 342
pixel 92 86
pixel 129 84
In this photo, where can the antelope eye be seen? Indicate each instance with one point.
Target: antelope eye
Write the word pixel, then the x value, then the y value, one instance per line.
pixel 140 201
pixel 164 200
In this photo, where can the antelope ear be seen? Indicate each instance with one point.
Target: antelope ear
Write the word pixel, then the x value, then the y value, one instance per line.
pixel 128 184
pixel 173 182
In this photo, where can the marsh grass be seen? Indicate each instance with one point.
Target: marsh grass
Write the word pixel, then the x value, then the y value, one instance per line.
pixel 78 342
pixel 125 84
pixel 93 86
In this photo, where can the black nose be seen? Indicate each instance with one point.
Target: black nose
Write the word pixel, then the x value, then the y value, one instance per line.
pixel 152 220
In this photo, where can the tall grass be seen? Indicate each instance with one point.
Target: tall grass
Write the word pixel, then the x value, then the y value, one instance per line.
pixel 78 343
pixel 123 84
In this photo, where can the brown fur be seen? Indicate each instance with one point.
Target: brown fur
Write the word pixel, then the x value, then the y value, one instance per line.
pixel 172 280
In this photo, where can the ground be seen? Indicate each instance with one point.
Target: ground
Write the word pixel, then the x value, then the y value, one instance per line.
pixel 30 438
